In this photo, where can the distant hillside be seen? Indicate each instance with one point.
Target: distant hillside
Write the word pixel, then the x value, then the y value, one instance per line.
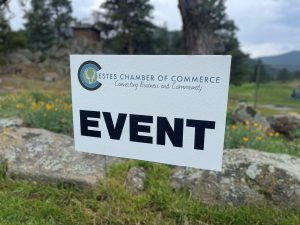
pixel 290 61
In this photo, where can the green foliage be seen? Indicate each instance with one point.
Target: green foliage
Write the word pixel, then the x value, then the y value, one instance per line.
pixel 3 169
pixel 17 40
pixel 240 68
pixel 49 111
pixel 39 25
pixel 284 75
pixel 126 25
pixel 62 16
pixel 4 30
pixel 255 137
pixel 296 75
pixel 167 42
pixel 46 20
pixel 260 68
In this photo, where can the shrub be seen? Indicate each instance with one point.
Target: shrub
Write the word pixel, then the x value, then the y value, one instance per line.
pixel 255 137
pixel 42 110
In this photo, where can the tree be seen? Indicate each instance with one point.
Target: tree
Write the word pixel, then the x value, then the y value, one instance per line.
pixel 206 27
pixel 4 31
pixel 283 75
pixel 4 4
pixel 39 26
pixel 62 17
pixel 264 74
pixel 296 74
pixel 240 68
pixel 126 25
pixel 167 42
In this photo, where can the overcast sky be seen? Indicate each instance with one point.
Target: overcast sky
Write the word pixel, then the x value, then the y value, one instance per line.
pixel 266 27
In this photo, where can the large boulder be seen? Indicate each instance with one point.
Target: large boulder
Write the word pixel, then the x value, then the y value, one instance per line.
pixel 244 112
pixel 38 154
pixel 285 123
pixel 247 177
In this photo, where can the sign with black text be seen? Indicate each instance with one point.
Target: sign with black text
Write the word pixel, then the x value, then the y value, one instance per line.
pixel 167 109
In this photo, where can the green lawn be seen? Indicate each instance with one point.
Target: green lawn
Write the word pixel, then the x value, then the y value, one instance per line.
pixel 273 93
pixel 30 203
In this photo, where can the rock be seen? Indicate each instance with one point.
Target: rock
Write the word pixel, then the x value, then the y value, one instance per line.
pixel 21 56
pixel 51 76
pixel 135 180
pixel 296 93
pixel 244 112
pixel 10 123
pixel 285 123
pixel 248 176
pixel 38 154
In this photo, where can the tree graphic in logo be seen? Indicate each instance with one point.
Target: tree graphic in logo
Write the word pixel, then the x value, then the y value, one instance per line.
pixel 90 75
pixel 87 75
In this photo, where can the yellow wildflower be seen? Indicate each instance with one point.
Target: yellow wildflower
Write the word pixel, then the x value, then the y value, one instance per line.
pixel 19 106
pixel 233 126
pixel 259 138
pixel 245 139
pixel 255 124
pixel 49 106
pixel 66 107
pixel 247 122
pixel 277 134
pixel 34 106
pixel 271 134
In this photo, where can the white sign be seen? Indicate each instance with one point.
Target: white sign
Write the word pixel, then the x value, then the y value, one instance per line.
pixel 167 109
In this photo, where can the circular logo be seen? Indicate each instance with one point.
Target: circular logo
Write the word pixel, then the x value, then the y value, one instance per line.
pixel 87 75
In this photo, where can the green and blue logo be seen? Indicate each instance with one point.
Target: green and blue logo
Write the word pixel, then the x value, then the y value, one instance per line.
pixel 87 75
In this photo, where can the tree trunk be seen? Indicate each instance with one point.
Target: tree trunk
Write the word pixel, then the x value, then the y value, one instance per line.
pixel 197 38
pixel 131 49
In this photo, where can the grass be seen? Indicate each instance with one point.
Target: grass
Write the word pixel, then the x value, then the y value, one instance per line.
pixel 40 203
pixel 273 93
pixel 29 203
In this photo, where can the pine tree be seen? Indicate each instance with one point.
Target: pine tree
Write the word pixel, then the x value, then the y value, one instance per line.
pixel 39 25
pixel 126 25
pixel 4 28
pixel 284 75
pixel 240 68
pixel 4 31
pixel 62 17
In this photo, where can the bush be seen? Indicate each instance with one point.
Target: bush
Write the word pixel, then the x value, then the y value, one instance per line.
pixel 42 110
pixel 255 137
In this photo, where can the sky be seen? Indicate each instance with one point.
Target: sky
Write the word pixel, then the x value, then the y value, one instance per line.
pixel 266 27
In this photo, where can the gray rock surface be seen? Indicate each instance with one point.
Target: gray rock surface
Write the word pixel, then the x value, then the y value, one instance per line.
pixel 296 93
pixel 135 180
pixel 51 76
pixel 285 123
pixel 244 112
pixel 38 154
pixel 10 122
pixel 248 176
